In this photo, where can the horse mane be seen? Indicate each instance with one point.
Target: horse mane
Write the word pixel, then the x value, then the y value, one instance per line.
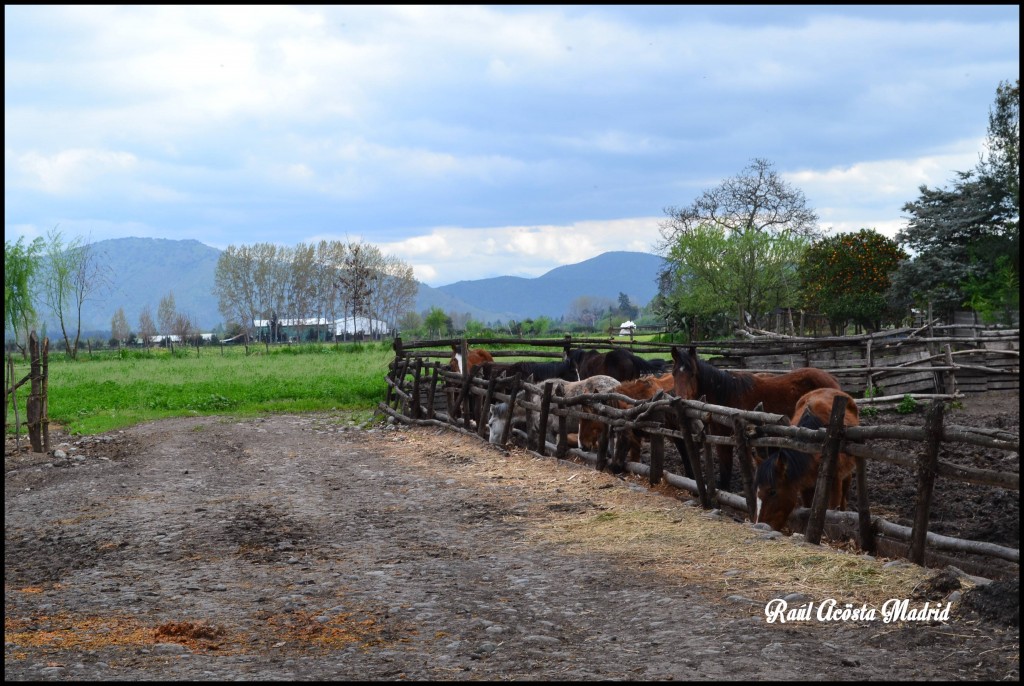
pixel 797 464
pixel 721 386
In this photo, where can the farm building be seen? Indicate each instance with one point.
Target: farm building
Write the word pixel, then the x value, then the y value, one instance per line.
pixel 322 329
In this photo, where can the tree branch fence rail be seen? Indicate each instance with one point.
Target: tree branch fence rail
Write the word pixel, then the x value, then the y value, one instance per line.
pixel 904 360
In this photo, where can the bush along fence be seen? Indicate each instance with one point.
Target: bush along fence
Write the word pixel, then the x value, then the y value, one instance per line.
pixel 423 389
pixel 36 409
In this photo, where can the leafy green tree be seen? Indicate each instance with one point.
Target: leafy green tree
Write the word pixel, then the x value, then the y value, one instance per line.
pixel 963 237
pixel 435 320
pixel 735 249
pixel 410 323
pixel 713 273
pixel 21 267
pixel 846 277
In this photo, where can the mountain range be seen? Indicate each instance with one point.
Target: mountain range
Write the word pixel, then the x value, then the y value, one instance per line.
pixel 144 270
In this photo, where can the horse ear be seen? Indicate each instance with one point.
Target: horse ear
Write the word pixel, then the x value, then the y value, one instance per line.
pixel 676 355
pixel 693 351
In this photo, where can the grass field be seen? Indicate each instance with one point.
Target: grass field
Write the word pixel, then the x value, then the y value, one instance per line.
pixel 112 390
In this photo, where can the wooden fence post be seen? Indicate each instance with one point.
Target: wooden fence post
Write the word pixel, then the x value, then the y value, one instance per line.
pixel 739 429
pixel 45 418
pixel 414 408
pixel 545 407
pixel 33 405
pixel 517 381
pixel 867 533
pixel 485 408
pixel 693 454
pixel 926 467
pixel 826 471
pixel 434 371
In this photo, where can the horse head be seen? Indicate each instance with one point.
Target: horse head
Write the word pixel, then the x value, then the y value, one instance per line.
pixel 684 372
pixel 776 487
pixel 455 363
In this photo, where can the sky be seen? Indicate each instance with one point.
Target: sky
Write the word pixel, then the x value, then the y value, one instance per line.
pixel 481 141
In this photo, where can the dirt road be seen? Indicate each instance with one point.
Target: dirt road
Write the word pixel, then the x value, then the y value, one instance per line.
pixel 299 547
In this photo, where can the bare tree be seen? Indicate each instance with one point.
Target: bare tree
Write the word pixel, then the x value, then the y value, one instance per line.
pixel 235 286
pixel 119 326
pixel 396 291
pixel 588 309
pixel 147 329
pixel 74 275
pixel 182 327
pixel 165 313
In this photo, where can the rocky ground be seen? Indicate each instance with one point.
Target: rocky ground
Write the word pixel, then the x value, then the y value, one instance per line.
pixel 302 547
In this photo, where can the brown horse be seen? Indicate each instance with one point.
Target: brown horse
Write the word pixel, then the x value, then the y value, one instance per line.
pixel 694 378
pixel 786 476
pixel 644 388
pixel 477 356
pixel 617 363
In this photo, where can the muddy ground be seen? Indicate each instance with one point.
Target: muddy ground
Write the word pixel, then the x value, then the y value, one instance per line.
pixel 303 547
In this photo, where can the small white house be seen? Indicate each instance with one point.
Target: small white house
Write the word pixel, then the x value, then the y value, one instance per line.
pixel 626 328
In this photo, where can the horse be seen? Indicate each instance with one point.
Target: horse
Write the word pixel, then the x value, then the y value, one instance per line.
pixel 520 415
pixel 564 369
pixel 694 378
pixel 619 363
pixel 477 357
pixel 644 388
pixel 785 476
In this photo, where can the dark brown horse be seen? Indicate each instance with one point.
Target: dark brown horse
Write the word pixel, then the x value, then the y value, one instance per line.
pixel 787 477
pixel 618 363
pixel 694 378
pixel 644 388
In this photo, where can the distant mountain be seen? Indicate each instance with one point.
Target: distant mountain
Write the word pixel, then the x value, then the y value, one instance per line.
pixel 550 295
pixel 144 270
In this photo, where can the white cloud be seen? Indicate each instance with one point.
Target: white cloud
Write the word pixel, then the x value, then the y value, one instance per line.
pixel 529 251
pixel 71 171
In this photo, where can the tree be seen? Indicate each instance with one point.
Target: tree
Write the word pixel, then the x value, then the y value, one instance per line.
pixel 846 277
pixel 73 274
pixel 119 326
pixel 967 237
pixel 166 313
pixel 410 322
pixel 588 309
pixel 435 320
pixel 21 268
pixel 626 308
pixel 147 329
pixel 735 249
pixel 182 327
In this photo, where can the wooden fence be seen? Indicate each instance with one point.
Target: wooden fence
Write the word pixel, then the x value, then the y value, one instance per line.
pixel 419 378
pixel 36 409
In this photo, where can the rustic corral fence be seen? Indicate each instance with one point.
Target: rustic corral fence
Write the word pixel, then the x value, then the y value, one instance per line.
pixel 37 416
pixel 932 363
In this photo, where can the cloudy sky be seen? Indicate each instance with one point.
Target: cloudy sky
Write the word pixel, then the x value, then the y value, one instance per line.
pixel 484 140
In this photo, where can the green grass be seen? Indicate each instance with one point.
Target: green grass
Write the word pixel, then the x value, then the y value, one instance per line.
pixel 112 390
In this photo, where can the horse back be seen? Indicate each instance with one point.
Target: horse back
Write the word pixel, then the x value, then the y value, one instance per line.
pixel 818 403
pixel 781 394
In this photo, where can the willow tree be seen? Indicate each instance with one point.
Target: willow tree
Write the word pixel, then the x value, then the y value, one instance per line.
pixel 21 268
